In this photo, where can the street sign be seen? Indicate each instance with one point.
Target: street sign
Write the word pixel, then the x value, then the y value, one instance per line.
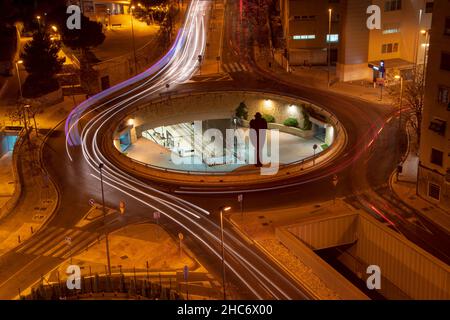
pixel 315 146
pixel 180 236
pixel 335 180
pixel 185 273
pixel 240 197
pixel 92 202
pixel 156 215
pixel 122 207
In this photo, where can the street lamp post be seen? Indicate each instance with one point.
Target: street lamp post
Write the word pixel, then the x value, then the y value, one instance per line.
pixel 222 209
pixel 39 23
pixel 132 35
pixel 100 166
pixel 329 45
pixel 398 77
pixel 425 52
pixel 18 77
pixel 27 107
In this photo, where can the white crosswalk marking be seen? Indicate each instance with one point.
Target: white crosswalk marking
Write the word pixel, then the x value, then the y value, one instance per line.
pixel 58 243
pixel 235 67
pixel 40 238
pixel 86 239
pixel 69 249
pixel 52 242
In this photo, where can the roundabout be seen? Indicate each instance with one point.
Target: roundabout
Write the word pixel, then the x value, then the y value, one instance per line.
pixel 205 138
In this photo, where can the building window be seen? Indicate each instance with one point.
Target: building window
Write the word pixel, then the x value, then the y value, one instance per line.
pixel 304 37
pixel 390 31
pixel 390 28
pixel 304 18
pixel 392 5
pixel 437 157
pixel 434 191
pixel 443 94
pixel 445 61
pixel 429 7
pixel 438 126
pixel 447 26
pixel 332 38
pixel 389 48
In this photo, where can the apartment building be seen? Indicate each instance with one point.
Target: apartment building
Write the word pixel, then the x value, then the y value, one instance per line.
pixel 434 156
pixel 306 30
pixel 399 42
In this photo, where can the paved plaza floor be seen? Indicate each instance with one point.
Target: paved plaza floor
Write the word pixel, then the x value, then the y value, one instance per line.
pixel 291 148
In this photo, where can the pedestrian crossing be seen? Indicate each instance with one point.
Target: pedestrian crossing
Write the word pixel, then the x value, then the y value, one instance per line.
pixel 234 67
pixel 58 242
pixel 209 78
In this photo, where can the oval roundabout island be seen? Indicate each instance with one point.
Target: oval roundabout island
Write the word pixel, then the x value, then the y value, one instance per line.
pixel 205 139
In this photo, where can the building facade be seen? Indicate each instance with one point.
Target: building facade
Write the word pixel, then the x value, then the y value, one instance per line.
pixel 398 42
pixel 306 26
pixel 434 157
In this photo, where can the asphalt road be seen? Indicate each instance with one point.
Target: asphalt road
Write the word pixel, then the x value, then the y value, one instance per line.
pixel 363 168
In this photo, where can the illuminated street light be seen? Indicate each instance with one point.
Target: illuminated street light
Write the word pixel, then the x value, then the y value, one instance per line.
pixel 54 28
pixel 108 259
pixel 39 22
pixel 222 210
pixel 18 76
pixel 399 77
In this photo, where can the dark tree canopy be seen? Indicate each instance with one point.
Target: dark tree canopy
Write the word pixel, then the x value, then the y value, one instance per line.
pixel 40 56
pixel 89 36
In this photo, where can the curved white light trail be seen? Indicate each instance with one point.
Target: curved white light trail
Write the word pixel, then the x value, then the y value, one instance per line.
pixel 175 67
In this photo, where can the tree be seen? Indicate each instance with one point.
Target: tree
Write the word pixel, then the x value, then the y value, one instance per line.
pixel 166 29
pixel 307 124
pixel 242 111
pixel 40 58
pixel 90 35
pixel 413 98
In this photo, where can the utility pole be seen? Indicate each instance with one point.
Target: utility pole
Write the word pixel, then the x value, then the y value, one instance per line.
pixel 100 166
pixel 328 38
pixel 222 209
pixel 134 45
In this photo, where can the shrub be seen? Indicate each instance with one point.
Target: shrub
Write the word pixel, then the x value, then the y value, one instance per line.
pixel 307 124
pixel 242 111
pixel 269 118
pixel 291 122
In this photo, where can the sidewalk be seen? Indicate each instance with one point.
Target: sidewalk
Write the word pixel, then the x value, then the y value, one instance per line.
pixel 405 187
pixel 317 77
pixel 39 196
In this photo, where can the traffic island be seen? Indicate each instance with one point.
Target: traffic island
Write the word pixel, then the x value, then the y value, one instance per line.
pixel 154 140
